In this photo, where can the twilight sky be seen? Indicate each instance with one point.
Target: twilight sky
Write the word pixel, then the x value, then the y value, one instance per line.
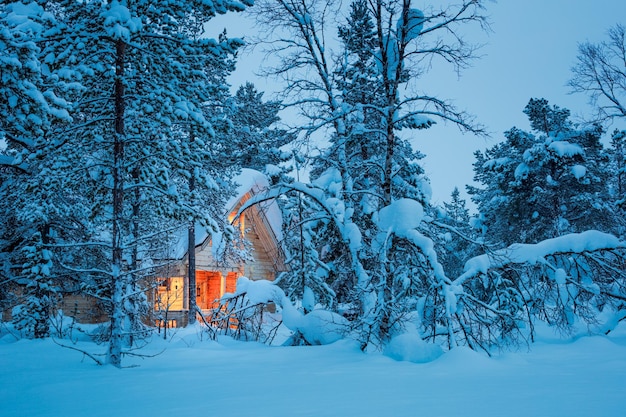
pixel 528 55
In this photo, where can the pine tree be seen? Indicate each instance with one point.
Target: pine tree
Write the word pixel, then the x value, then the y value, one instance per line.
pixel 617 154
pixel 546 183
pixel 456 237
pixel 617 178
pixel 257 139
pixel 143 77
pixel 30 105
pixel 33 315
pixel 456 209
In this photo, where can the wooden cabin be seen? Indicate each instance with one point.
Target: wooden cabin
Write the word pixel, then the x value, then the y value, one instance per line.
pixel 168 294
pixel 260 225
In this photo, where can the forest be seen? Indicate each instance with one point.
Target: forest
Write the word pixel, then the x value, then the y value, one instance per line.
pixel 119 130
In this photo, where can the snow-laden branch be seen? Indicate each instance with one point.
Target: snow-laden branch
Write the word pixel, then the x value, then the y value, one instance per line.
pixel 585 242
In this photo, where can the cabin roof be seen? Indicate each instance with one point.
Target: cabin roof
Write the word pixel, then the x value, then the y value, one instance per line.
pixel 250 182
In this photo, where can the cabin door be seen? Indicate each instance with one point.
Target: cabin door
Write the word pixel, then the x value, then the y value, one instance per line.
pixel 209 289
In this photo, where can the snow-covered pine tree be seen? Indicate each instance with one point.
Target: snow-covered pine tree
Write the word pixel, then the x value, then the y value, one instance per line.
pixel 617 153
pixel 30 205
pixel 456 237
pixel 544 188
pixel 143 82
pixel 33 315
pixel 256 136
pixel 28 101
pixel 545 183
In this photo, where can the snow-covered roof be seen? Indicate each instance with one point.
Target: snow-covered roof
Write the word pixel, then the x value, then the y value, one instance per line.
pixel 248 181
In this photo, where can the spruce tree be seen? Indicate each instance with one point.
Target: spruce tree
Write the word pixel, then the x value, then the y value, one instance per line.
pixel 456 237
pixel 31 104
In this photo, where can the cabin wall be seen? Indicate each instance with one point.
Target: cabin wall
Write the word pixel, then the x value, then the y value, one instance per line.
pixel 83 308
pixel 262 267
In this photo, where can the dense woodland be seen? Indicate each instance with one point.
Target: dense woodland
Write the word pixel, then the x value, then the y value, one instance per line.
pixel 119 129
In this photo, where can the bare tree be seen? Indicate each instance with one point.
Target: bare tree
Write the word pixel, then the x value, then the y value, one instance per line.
pixel 367 130
pixel 600 72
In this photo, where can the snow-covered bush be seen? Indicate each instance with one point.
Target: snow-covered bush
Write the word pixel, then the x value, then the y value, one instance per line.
pixel 246 315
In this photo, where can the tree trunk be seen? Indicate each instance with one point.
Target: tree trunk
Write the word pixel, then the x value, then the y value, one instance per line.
pixel 191 271
pixel 133 317
pixel 43 293
pixel 114 353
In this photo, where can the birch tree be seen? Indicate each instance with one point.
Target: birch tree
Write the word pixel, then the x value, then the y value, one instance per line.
pixel 370 169
pixel 600 73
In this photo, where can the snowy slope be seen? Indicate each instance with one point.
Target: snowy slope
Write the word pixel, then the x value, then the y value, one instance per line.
pixel 584 377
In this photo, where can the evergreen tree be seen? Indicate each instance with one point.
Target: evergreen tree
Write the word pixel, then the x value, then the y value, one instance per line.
pixel 257 139
pixel 143 76
pixel 456 237
pixel 456 209
pixel 617 154
pixel 30 105
pixel 617 178
pixel 32 316
pixel 546 183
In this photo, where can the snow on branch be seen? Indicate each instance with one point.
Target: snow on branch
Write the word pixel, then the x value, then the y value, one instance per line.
pixel 585 242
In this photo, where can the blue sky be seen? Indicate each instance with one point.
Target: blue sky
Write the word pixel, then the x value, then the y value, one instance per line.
pixel 528 54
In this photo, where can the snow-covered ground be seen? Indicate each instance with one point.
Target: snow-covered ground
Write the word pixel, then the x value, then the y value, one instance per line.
pixel 585 376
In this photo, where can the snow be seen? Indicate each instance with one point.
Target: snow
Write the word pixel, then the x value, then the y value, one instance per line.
pixel 390 47
pixel 419 121
pixel 191 375
pixel 401 215
pixel 496 163
pixel 579 171
pixel 415 24
pixel 591 240
pixel 24 17
pixel 560 276
pixel 308 298
pixel 118 22
pixel 331 181
pixel 246 180
pixel 260 291
pixel 563 148
pixel 410 347
pixel 522 171
pixel 272 170
pixel 319 327
pixel 353 234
